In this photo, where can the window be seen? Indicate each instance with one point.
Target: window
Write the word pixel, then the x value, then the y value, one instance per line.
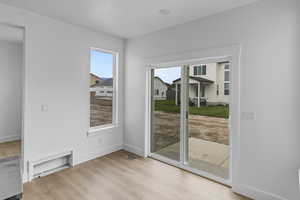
pixel 203 70
pixel 156 92
pixel 200 70
pixel 226 79
pixel 202 91
pixel 226 88
pixel 102 88
pixel 217 89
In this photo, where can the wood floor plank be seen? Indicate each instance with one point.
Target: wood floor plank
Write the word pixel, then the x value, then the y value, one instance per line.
pixel 115 177
pixel 10 149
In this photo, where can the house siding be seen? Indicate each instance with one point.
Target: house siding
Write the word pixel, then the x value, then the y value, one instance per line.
pixel 161 88
pixel 214 72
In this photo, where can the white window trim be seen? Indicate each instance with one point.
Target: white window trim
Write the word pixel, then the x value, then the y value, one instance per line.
pixel 97 129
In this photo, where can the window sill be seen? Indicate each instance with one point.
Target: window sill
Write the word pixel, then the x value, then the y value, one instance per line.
pixel 98 130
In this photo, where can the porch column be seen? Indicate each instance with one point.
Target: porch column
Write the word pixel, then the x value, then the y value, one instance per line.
pixel 176 88
pixel 199 95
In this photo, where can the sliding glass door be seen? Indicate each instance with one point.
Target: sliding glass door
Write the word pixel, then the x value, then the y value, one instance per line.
pixel 166 99
pixel 207 121
pixel 190 117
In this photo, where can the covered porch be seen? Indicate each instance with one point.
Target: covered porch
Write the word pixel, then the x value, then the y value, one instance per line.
pixel 196 91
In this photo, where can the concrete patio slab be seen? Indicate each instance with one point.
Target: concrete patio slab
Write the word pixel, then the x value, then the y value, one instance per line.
pixel 203 155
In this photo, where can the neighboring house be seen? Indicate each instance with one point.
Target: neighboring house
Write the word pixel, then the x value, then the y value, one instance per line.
pixel 102 87
pixel 94 79
pixel 160 89
pixel 208 84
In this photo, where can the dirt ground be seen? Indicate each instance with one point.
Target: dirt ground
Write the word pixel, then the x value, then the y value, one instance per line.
pixel 167 125
pixel 167 129
pixel 101 112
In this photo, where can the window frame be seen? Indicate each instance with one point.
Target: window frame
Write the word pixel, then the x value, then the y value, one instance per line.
pixel 115 54
pixel 200 69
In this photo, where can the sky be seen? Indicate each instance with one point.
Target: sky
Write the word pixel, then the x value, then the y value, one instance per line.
pixel 101 64
pixel 168 74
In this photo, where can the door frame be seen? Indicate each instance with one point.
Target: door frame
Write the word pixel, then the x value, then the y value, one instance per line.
pixel 229 53
pixel 23 97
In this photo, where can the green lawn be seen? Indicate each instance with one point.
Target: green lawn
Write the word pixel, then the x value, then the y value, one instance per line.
pixel 211 111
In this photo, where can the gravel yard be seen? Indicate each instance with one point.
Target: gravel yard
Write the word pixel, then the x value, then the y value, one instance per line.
pixel 101 112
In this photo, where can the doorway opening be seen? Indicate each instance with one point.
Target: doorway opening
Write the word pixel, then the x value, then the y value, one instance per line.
pixel 11 106
pixel 190 117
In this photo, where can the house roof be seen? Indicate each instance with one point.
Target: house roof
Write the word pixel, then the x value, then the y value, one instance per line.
pixel 103 82
pixel 225 62
pixel 95 76
pixel 199 79
pixel 168 85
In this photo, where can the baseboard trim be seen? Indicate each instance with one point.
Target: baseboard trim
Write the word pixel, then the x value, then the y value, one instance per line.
pixel 134 149
pixel 255 193
pixel 10 138
pixel 90 156
pixel 25 178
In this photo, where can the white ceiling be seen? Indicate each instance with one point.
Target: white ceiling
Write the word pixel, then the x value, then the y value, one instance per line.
pixel 11 34
pixel 126 18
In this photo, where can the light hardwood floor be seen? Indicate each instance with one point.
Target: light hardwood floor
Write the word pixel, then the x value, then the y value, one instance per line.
pixel 115 177
pixel 10 149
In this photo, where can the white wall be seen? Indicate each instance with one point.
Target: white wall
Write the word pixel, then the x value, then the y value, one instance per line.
pixel 268 32
pixel 11 55
pixel 57 75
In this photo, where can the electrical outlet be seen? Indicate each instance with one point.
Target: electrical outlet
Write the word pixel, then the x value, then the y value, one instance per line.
pixel 44 108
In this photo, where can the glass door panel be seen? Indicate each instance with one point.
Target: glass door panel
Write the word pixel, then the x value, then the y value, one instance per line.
pixel 190 116
pixel 166 118
pixel 207 121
